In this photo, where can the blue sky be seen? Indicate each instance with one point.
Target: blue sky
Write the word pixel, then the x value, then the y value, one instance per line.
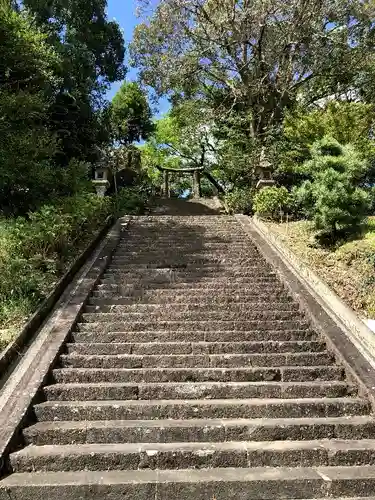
pixel 124 13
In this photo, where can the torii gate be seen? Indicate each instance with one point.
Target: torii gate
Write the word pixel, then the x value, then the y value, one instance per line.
pixel 196 173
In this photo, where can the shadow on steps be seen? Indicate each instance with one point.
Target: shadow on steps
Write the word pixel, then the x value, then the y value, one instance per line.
pixel 201 206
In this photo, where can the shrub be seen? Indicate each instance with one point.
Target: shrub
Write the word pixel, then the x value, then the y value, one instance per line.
pixel 332 197
pixel 270 201
pixel 54 229
pixel 371 194
pixel 34 251
pixel 130 201
pixel 240 200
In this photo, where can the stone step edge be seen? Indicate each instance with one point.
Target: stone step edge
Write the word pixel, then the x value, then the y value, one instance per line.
pixel 330 445
pixel 177 455
pixel 105 385
pixel 200 423
pixel 314 482
pixel 185 347
pixel 207 402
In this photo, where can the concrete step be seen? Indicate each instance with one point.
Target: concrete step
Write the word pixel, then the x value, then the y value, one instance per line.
pixel 185 232
pixel 184 254
pixel 162 314
pixel 201 409
pixel 196 360
pixel 189 263
pixel 146 242
pixel 199 280
pixel 207 390
pixel 169 298
pixel 139 271
pixel 120 456
pixel 240 307
pixel 166 348
pixel 204 295
pixel 183 325
pixel 183 238
pixel 335 483
pixel 128 247
pixel 230 287
pixel 241 374
pixel 211 430
pixel 187 335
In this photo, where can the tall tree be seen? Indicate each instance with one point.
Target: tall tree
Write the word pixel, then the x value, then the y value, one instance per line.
pixel 27 82
pixel 259 54
pixel 131 115
pixel 184 137
pixel 91 49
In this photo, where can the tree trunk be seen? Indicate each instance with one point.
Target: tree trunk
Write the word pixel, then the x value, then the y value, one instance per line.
pixel 197 184
pixel 166 184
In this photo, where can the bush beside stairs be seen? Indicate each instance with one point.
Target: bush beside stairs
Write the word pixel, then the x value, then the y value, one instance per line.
pixel 192 374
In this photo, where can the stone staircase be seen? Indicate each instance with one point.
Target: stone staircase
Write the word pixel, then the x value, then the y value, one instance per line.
pixel 192 374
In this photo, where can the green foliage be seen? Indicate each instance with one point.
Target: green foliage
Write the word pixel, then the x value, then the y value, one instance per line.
pixel 26 148
pixel 130 201
pixel 54 229
pixel 34 251
pixel 371 194
pixel 331 196
pixel 263 57
pixel 27 60
pixel 240 200
pixel 348 122
pixel 236 150
pixel 271 201
pixel 183 137
pixel 131 115
pixel 56 63
pixel 26 144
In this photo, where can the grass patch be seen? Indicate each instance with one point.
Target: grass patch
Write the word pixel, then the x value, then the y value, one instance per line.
pixel 348 268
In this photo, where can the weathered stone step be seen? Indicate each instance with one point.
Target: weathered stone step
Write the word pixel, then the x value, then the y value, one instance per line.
pixel 137 270
pixel 187 280
pixel 208 390
pixel 191 220
pixel 194 336
pixel 147 308
pixel 187 231
pixel 189 263
pixel 169 298
pixel 201 408
pixel 166 431
pixel 335 483
pixel 268 374
pixel 140 247
pixel 196 360
pixel 172 292
pixel 219 255
pixel 147 240
pixel 162 314
pixel 166 296
pixel 184 325
pixel 142 348
pixel 216 236
pixel 130 250
pixel 120 456
pixel 211 287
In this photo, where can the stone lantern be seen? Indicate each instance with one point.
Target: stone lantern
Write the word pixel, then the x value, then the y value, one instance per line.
pixel 101 181
pixel 263 172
